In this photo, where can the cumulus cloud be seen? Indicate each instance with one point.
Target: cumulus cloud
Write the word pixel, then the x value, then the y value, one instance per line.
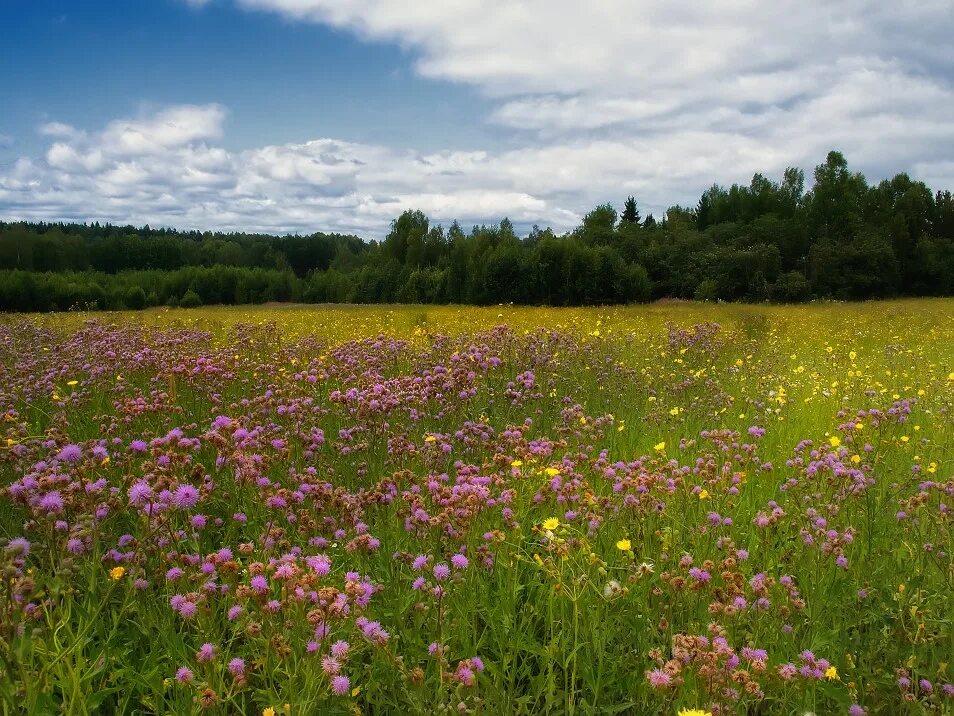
pixel 163 169
pixel 601 99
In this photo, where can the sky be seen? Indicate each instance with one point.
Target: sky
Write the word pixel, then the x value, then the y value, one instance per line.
pixel 295 116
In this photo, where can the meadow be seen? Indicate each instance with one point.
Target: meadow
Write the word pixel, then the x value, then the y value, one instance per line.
pixel 673 509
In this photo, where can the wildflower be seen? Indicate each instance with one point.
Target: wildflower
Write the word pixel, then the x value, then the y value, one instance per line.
pixel 694 712
pixel 658 678
pixel 551 523
pixel 139 493
pixel 237 667
pixel 187 609
pixel 268 711
pixel 205 653
pixel 835 441
pixel 184 675
pixel 703 494
pixel 831 673
pixel 185 497
pixel 116 573
pixel 552 472
pixel 660 447
pixel 441 571
pixel 70 453
pixel 52 502
pixel 624 545
pixel 459 561
pixel 340 685
pixel 19 546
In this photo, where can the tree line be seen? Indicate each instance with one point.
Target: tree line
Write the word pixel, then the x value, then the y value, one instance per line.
pixel 767 241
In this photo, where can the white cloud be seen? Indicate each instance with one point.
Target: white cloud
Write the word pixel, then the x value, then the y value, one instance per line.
pixel 601 99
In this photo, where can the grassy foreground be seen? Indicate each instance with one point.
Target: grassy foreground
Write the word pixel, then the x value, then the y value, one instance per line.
pixel 663 509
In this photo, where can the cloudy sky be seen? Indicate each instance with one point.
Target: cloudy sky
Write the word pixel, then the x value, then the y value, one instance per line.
pixel 336 115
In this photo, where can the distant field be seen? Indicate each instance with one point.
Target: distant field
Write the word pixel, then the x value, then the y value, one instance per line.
pixel 500 510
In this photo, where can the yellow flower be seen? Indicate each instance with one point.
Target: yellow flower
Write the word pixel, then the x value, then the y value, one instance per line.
pixel 551 523
pixel 268 711
pixel 831 673
pixel 71 383
pixel 835 441
pixel 660 447
pixel 117 573
pixel 852 355
pixel 516 463
pixel 856 459
pixel 694 712
pixel 624 545
pixel 552 472
pixel 430 439
pixel 703 494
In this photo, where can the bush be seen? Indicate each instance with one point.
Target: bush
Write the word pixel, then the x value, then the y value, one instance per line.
pixel 190 299
pixel 790 287
pixel 708 290
pixel 135 298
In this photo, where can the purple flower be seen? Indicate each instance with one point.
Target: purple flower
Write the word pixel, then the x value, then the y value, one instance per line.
pixel 339 649
pixel 340 685
pixel 441 571
pixel 237 667
pixel 138 446
pixel 187 609
pixel 658 678
pixel 19 546
pixel 459 561
pixel 259 584
pixel 205 653
pixel 70 453
pixel 185 497
pixel 184 675
pixel 140 493
pixel 234 612
pixel 52 501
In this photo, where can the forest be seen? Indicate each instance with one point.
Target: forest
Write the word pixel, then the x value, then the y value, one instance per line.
pixel 769 241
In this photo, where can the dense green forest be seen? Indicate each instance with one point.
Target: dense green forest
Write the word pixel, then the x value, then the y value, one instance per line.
pixel 768 241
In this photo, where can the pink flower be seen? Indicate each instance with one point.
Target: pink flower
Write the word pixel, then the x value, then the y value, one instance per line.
pixel 340 685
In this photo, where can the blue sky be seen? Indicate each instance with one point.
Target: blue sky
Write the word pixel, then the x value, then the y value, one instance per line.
pixel 303 115
pixel 87 62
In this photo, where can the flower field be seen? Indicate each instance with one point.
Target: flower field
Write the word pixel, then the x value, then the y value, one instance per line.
pixel 665 509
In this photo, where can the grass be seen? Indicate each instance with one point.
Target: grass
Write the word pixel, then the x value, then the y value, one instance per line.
pixel 738 509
